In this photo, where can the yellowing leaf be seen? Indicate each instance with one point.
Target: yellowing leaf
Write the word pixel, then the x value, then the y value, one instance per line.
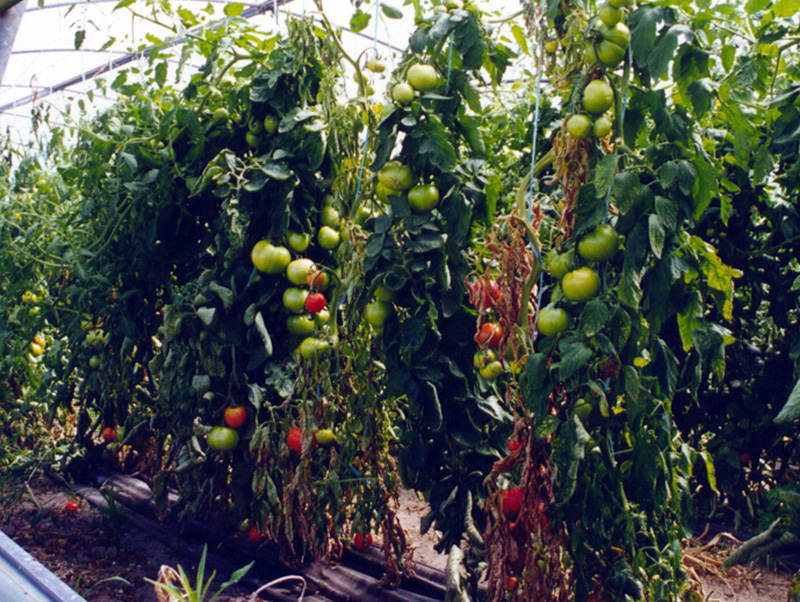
pixel 718 275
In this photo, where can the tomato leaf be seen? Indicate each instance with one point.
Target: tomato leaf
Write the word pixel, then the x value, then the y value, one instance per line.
pixel 575 354
pixel 390 11
pixel 626 189
pixel 785 8
pixel 593 317
pixel 535 384
pixel 359 21
pixel 655 229
pixel 568 450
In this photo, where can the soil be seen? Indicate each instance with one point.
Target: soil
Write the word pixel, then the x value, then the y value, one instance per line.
pixel 105 558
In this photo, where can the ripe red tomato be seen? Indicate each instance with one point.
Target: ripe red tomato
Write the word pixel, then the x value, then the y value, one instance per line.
pixel 511 501
pixel 255 536
pixel 362 542
pixel 512 582
pixel 235 416
pixel 490 335
pixel 71 507
pixel 514 444
pixel 108 434
pixel 315 303
pixel 490 292
pixel 295 439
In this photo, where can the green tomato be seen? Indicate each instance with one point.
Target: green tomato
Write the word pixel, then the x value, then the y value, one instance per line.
pixel 299 241
pixel 602 126
pixel 609 14
pixel 600 244
pixel 598 97
pixel 384 294
pixel 619 34
pixel 330 217
pixel 252 139
pixel 551 46
pixel 328 238
pixel 270 124
pixel 297 271
pixel 325 437
pixel 582 409
pixel 492 370
pixel 255 125
pixel 620 3
pixel 579 127
pixel 220 114
pixel 303 325
pixel 483 357
pixel 581 284
pixel 294 299
pixel 609 54
pixel 403 93
pixel 222 438
pixel 376 65
pixel 376 312
pixel 94 362
pixel 322 317
pixel 395 176
pixel 422 77
pixel 269 258
pixel 423 197
pixel 552 320
pixel 313 348
pixel 558 264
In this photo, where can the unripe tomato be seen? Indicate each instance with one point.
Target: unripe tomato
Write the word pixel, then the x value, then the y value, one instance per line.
pixel 579 127
pixel 619 34
pixel 376 312
pixel 315 303
pixel 581 284
pixel 492 370
pixel 551 46
pixel 294 299
pixel 395 176
pixel 235 416
pixel 609 14
pixel 36 349
pixel 422 77
pixel 552 320
pixel 328 238
pixel 598 97
pixel 330 217
pixel 620 3
pixel 220 114
pixel 489 335
pixel 423 197
pixel 312 348
pixel 269 258
pixel 94 362
pixel 252 139
pixel 108 434
pixel 39 340
pixel 325 437
pixel 608 54
pixel 297 271
pixel 403 93
pixel 602 126
pixel 318 279
pixel 600 244
pixel 303 325
pixel 558 264
pixel 376 65
pixel 270 124
pixel 511 501
pixel 255 125
pixel 582 409
pixel 299 241
pixel 384 294
pixel 222 438
pixel 362 542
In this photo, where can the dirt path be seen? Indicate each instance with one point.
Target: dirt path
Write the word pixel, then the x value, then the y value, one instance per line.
pixel 94 550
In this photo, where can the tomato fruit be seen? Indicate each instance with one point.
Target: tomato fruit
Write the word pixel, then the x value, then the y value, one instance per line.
pixel 322 317
pixel 270 124
pixel 94 362
pixel 330 216
pixel 384 294
pixel 582 409
pixel 362 542
pixel 318 279
pixel 579 127
pixel 598 97
pixel 581 284
pixel 315 303
pixel 422 77
pixel 269 258
pixel 108 434
pixel 71 507
pixel 619 34
pixel 36 349
pixel 514 444
pixel 512 582
pixel 299 241
pixel 294 299
pixel 235 416
pixel 328 238
pixel 423 197
pixel 551 46
pixel 602 126
pixel 552 320
pixel 558 264
pixel 252 139
pixel 39 340
pixel 489 335
pixel 620 3
pixel 295 439
pixel 489 291
pixel 376 312
pixel 511 501
pixel 222 438
pixel 220 114
pixel 325 437
pixel 395 177
pixel 255 536
pixel 600 244
pixel 312 347
pixel 297 270
pixel 255 125
pixel 302 325
pixel 492 370
pixel 609 14
pixel 376 65
pixel 403 93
